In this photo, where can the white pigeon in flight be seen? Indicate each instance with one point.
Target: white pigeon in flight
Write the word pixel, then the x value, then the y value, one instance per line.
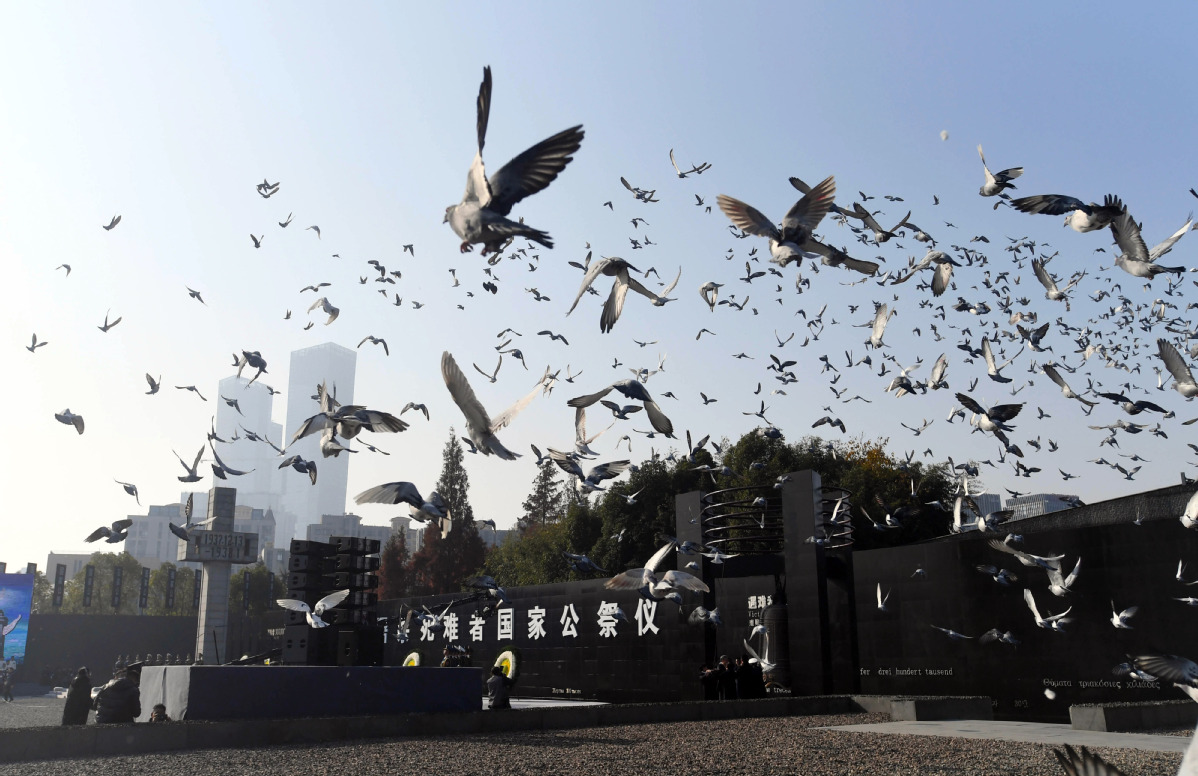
pixel 478 423
pixel 1053 622
pixel 314 613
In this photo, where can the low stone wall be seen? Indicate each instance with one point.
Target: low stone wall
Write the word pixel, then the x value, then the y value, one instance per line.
pixel 1127 717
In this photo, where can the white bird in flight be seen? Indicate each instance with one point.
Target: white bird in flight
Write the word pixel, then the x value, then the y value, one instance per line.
pixel 315 613
pixel 478 423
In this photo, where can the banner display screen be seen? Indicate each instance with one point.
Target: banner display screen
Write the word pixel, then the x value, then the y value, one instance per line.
pixel 16 601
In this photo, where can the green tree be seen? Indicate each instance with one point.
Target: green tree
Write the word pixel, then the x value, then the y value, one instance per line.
pixel 618 534
pixel 43 595
pixel 544 504
pixel 101 603
pixel 395 573
pixel 447 560
pixel 184 591
pixel 261 599
pixel 454 483
pixel 532 557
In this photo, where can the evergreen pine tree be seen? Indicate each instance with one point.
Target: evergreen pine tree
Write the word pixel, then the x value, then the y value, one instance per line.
pixel 454 483
pixel 394 569
pixel 446 561
pixel 545 504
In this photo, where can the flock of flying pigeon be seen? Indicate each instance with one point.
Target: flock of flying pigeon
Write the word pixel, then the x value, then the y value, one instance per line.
pixel 990 323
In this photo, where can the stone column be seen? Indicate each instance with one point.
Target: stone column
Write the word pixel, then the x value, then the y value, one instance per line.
pixel 213 615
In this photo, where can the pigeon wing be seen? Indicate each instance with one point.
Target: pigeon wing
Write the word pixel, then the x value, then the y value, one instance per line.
pixel 507 416
pixel 1049 204
pixel 660 555
pixel 633 579
pixel 532 170
pixel 811 209
pixel 330 601
pixel 658 419
pixel 589 399
pixel 1174 362
pixel 1003 412
pixel 685 581
pixel 463 394
pixel 391 493
pixel 1127 235
pixel 607 471
pixel 99 533
pixel 293 605
pixel 971 405
pixel 593 271
pixel 747 218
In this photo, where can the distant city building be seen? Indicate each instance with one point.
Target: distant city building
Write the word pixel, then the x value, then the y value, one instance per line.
pixel 259 521
pixel 262 487
pixel 150 538
pixel 75 562
pixel 346 525
pixel 275 559
pixel 1037 504
pixel 988 502
pixel 334 366
pixel 413 537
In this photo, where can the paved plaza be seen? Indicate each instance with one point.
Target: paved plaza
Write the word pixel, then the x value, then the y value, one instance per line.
pixel 829 744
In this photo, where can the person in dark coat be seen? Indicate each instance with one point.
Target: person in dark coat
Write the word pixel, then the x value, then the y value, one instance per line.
pixel 727 672
pixel 749 681
pixel 497 689
pixel 710 679
pixel 79 699
pixel 119 700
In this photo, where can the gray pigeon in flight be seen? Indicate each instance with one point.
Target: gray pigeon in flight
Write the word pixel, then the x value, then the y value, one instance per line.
pixel 481 216
pixel 794 238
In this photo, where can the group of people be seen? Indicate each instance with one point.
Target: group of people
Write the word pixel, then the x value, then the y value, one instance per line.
pixel 731 680
pixel 455 656
pixel 117 702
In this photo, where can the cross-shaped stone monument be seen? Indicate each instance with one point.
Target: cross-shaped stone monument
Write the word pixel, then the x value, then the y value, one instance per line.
pixel 217 548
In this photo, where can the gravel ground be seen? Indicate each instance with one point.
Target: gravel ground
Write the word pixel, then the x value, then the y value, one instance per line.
pixel 790 745
pixel 40 711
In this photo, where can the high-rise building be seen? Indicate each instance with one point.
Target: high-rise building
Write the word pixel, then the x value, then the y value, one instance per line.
pixel 150 538
pixel 1037 504
pixel 334 366
pixel 237 425
pixel 988 503
pixel 247 519
pixel 413 537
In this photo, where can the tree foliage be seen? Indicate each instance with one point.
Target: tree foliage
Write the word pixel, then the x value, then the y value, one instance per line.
pixel 617 534
pixel 545 504
pixel 101 603
pixel 43 592
pixel 262 599
pixel 394 572
pixel 445 562
pixel 454 483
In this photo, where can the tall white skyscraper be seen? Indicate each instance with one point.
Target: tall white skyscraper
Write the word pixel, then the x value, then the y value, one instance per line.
pixel 252 415
pixel 335 366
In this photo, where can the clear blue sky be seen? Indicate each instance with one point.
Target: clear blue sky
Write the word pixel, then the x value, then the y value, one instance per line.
pixel 169 113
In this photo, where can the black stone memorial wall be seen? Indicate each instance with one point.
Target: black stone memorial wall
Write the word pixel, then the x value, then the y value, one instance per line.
pixel 1123 565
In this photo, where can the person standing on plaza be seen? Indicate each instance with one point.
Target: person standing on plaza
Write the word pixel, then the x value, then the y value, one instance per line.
pixel 710 679
pixel 79 699
pixel 727 673
pixel 6 682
